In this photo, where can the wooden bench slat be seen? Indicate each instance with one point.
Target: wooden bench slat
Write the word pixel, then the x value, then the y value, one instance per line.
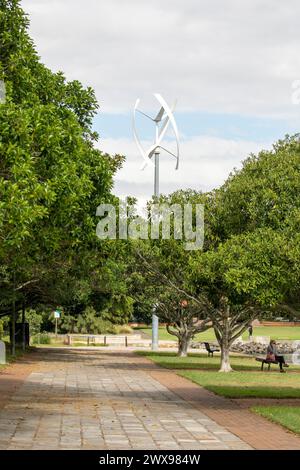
pixel 265 361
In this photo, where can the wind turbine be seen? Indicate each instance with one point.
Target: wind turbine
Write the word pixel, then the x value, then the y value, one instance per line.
pixel 162 121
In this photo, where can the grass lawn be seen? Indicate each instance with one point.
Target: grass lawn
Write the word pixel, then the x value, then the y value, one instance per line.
pixel 165 336
pixel 246 381
pixel 275 332
pixel 287 416
pixel 248 384
pixel 198 361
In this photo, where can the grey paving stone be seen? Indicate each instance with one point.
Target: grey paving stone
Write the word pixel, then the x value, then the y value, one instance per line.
pixel 102 400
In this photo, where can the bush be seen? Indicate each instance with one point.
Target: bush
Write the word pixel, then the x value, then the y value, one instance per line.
pixel 41 338
pixel 90 323
pixel 35 320
pixel 105 327
pixel 123 329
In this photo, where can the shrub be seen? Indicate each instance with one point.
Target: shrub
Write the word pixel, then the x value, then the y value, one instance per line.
pixel 123 329
pixel 105 327
pixel 89 322
pixel 35 320
pixel 41 338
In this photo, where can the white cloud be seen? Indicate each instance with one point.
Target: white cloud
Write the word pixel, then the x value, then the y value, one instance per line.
pixel 233 56
pixel 205 164
pixel 212 55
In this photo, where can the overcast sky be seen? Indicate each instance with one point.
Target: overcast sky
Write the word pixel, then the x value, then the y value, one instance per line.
pixel 230 64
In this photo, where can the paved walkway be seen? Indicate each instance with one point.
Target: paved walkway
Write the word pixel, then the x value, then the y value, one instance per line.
pixel 92 400
pixel 75 399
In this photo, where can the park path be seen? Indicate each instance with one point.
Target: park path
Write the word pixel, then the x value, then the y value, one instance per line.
pixel 76 399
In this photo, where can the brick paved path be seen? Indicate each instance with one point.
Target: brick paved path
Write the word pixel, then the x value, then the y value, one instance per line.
pixel 102 400
pixel 258 432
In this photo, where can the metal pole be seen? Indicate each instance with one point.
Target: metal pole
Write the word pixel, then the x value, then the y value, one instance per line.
pixel 156 194
pixel 156 174
pixel 154 332
pixel 55 327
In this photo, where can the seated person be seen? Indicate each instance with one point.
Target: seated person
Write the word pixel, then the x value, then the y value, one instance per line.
pixel 272 355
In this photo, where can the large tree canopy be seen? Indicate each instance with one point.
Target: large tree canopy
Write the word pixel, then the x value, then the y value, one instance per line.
pixel 253 266
pixel 52 177
pixel 249 264
pixel 264 193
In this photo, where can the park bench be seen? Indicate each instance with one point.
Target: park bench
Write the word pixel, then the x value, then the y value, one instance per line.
pixel 264 361
pixel 210 349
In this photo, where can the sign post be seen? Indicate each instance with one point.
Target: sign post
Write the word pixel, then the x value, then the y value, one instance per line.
pixel 56 316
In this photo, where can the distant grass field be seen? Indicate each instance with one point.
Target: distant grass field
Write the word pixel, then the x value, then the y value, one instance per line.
pixel 287 416
pixel 245 382
pixel 274 332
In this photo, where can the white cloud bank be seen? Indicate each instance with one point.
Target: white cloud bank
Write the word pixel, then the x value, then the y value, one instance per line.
pixel 205 164
pixel 226 57
pixel 234 56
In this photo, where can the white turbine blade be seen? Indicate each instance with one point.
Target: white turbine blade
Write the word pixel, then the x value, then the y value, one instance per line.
pixel 151 150
pixel 164 128
pixel 145 115
pixel 137 141
pixel 145 164
pixel 160 114
pixel 172 110
pixel 163 119
pixel 173 155
pixel 172 121
pixel 169 151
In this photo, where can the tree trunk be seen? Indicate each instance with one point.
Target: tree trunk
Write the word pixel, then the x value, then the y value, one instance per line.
pixel 183 344
pixel 225 359
pixel 223 332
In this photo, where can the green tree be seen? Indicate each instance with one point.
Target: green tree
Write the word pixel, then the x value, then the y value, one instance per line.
pixel 52 178
pixel 160 277
pixel 253 266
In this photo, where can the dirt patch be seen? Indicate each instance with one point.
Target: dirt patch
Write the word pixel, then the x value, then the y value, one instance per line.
pixel 13 375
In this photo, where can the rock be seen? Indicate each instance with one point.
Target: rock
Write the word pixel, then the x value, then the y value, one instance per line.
pixel 253 348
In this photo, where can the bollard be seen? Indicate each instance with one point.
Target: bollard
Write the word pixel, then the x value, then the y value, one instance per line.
pixel 2 353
